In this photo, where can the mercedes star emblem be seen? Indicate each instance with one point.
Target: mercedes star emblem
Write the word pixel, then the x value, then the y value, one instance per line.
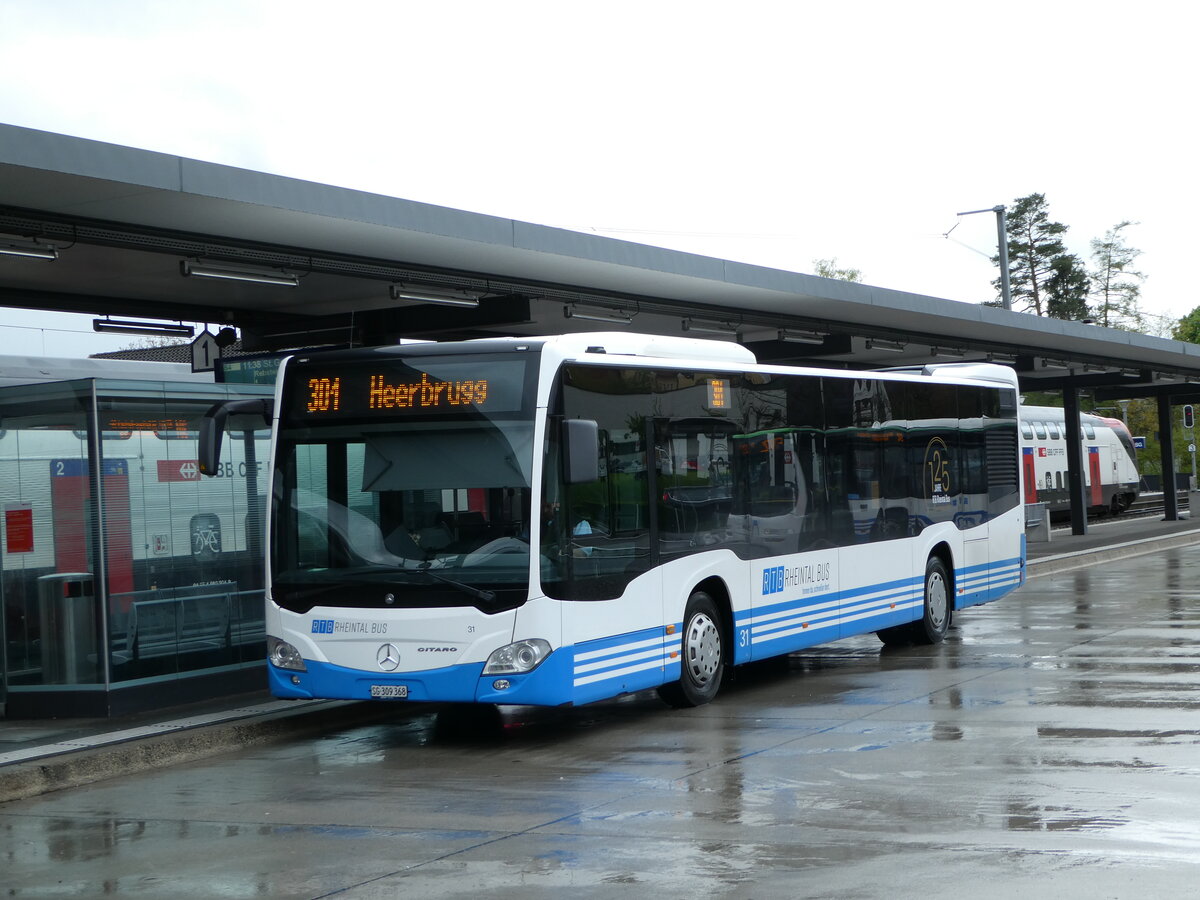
pixel 388 657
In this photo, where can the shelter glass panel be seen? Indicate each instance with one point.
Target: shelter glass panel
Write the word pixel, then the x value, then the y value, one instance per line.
pixel 51 618
pixel 182 554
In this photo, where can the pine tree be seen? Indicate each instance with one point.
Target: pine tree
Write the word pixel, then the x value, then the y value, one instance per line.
pixel 1067 288
pixel 1034 243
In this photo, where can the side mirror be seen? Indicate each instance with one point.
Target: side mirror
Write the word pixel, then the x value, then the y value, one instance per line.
pixel 581 443
pixel 212 428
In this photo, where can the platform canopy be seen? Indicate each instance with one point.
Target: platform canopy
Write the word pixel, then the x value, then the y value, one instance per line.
pixel 125 227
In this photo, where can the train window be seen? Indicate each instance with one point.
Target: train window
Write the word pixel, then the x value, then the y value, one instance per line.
pixel 1088 431
pixel 1039 428
pixel 1052 427
pixel 1058 481
pixel 1027 431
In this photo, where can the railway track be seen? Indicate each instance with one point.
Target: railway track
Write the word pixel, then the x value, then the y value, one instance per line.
pixel 1147 505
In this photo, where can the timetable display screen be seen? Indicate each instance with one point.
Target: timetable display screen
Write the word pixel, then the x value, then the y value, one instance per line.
pixel 410 388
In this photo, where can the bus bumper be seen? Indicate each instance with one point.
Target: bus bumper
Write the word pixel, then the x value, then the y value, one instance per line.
pixel 547 685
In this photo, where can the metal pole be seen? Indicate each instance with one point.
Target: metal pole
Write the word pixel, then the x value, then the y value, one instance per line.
pixel 1074 436
pixel 1167 445
pixel 1002 240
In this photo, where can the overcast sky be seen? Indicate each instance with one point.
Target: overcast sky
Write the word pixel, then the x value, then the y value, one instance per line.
pixel 773 133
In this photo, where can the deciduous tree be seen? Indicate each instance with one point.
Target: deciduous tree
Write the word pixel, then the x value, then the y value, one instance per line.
pixel 1116 285
pixel 1188 328
pixel 828 268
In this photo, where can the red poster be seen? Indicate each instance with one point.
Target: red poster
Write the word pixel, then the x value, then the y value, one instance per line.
pixel 18 528
pixel 178 470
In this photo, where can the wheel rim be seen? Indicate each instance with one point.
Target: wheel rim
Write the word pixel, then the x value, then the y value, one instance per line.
pixel 936 599
pixel 703 648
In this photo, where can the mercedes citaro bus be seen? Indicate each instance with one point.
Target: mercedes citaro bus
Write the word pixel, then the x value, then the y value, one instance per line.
pixel 558 520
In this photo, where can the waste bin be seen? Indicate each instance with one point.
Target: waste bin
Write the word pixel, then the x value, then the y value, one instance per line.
pixel 67 610
pixel 1037 522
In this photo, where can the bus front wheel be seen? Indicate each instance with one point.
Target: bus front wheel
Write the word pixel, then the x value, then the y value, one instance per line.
pixel 702 655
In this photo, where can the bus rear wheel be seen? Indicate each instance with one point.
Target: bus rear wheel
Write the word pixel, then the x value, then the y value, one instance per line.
pixel 931 628
pixel 702 655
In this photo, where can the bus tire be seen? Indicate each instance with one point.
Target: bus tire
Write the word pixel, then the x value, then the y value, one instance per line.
pixel 702 655
pixel 931 628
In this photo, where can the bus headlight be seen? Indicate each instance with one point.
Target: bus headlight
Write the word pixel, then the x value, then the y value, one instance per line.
pixel 283 655
pixel 516 659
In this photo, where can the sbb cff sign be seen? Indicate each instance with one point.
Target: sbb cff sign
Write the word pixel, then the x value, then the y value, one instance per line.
pixel 178 470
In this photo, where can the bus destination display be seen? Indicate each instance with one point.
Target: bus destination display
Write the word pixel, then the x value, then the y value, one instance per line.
pixel 436 388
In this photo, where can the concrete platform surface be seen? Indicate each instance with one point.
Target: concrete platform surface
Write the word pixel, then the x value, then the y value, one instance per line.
pixel 1047 748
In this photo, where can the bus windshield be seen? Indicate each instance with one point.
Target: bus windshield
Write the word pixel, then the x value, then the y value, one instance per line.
pixel 395 510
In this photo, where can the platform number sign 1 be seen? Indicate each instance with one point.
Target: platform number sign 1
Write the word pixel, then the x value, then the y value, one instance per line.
pixel 205 352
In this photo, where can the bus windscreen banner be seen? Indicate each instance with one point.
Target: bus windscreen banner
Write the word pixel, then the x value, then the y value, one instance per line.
pixel 401 389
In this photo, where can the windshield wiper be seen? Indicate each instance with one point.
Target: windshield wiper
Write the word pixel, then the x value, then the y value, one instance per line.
pixel 296 595
pixel 477 593
pixel 388 573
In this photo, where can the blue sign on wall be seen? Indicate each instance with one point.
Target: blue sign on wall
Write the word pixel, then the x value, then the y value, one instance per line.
pixel 77 468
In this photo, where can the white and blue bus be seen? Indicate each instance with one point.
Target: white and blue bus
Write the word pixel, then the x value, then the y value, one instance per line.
pixel 553 521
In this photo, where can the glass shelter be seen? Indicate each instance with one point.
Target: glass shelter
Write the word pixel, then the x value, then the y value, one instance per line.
pixel 128 581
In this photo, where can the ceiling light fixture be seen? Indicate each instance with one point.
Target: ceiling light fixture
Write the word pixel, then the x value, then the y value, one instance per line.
pixel 725 328
pixel 956 352
pixel 28 250
pixel 890 346
pixel 802 337
pixel 156 329
pixel 236 272
pixel 1057 364
pixel 617 317
pixel 453 298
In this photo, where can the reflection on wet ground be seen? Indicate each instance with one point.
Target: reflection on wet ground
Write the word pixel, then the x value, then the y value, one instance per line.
pixel 1049 746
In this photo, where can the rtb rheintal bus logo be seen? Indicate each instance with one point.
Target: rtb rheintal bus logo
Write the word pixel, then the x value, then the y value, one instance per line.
pixel 810 578
pixel 773 580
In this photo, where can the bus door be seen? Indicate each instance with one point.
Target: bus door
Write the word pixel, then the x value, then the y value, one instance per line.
pixel 597 545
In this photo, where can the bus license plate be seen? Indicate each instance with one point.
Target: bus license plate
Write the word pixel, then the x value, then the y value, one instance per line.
pixel 389 692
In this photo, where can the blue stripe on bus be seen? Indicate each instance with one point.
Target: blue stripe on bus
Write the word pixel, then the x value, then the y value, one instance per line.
pixel 788 625
pixel 624 663
pixel 990 581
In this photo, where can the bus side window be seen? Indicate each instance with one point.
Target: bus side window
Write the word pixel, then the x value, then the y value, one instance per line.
pixel 842 483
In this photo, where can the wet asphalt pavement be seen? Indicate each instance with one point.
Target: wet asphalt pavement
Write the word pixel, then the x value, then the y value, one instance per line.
pixel 1051 747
